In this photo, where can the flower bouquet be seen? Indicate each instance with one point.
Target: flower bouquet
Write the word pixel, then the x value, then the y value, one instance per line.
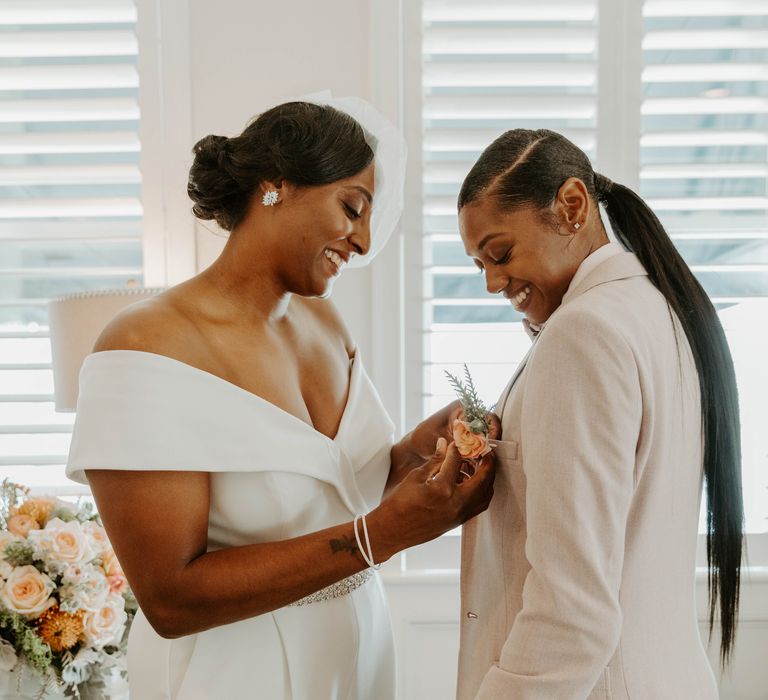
pixel 65 605
pixel 470 431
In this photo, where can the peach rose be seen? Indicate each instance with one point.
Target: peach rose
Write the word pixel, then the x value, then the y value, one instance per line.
pixel 117 583
pixel 21 523
pixel 106 625
pixel 110 563
pixel 470 445
pixel 39 508
pixel 27 591
pixel 64 541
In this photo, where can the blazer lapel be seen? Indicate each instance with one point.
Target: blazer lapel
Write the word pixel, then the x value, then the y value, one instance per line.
pixel 618 267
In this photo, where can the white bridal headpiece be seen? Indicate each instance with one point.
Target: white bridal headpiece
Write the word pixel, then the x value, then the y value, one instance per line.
pixel 389 151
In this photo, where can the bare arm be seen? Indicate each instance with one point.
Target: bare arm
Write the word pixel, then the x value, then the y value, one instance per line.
pixel 158 523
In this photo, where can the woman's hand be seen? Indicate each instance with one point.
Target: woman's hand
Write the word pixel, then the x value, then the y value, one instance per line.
pixel 431 499
pixel 420 442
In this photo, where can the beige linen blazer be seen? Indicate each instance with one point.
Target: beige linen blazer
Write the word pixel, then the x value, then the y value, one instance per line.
pixel 578 581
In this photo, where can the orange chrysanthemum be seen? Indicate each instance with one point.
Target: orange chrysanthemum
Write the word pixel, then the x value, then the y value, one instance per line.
pixel 39 508
pixel 60 630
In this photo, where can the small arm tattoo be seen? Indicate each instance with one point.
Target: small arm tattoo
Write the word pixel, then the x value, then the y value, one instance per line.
pixel 345 544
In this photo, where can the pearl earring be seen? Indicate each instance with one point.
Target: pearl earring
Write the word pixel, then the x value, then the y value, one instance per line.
pixel 577 226
pixel 270 198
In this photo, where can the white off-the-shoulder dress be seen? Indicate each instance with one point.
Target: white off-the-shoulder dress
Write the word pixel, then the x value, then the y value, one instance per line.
pixel 273 477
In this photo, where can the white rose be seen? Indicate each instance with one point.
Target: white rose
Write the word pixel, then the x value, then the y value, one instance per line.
pixel 90 592
pixel 27 591
pixel 64 542
pixel 106 626
pixel 8 658
pixel 74 573
pixel 97 537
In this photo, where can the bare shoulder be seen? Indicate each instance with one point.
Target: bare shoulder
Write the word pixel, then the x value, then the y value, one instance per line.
pixel 157 325
pixel 324 311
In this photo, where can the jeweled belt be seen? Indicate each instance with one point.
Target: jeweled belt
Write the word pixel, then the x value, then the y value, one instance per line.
pixel 338 589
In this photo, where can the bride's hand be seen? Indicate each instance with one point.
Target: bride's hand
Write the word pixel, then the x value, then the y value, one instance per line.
pixel 420 442
pixel 431 500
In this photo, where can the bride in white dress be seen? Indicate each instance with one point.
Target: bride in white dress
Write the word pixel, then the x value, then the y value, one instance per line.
pixel 230 434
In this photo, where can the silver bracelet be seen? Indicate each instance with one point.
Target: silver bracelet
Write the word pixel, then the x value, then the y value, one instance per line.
pixel 366 552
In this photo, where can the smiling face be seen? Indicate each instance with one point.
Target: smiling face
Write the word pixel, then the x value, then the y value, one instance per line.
pixel 522 254
pixel 317 230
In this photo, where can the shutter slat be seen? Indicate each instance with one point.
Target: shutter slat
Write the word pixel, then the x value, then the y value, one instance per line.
pixel 84 77
pixel 705 72
pixel 479 108
pixel 508 41
pixel 71 175
pixel 13 12
pixel 475 140
pixel 70 272
pixel 508 74
pixel 709 204
pixel 720 105
pixel 702 8
pixel 505 11
pixel 57 44
pixel 75 207
pixel 85 110
pixel 704 138
pixel 69 142
pixel 706 39
pixel 69 230
pixel 705 170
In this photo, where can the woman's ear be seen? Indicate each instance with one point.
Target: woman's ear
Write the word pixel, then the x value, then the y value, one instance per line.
pixel 572 204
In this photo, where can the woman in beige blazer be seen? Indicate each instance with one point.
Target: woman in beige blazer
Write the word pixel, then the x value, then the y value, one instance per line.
pixel 578 582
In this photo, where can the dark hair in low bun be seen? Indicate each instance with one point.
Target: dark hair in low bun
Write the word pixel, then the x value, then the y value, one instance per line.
pixel 303 143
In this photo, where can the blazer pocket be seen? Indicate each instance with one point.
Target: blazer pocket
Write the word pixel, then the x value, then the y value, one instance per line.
pixel 506 450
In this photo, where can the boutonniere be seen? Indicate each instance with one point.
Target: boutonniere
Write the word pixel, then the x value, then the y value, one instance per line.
pixel 470 431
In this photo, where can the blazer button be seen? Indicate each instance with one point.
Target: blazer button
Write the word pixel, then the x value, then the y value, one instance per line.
pixel 471 616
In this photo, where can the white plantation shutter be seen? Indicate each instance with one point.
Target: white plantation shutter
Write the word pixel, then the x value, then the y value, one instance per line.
pixel 488 67
pixel 690 120
pixel 70 208
pixel 704 170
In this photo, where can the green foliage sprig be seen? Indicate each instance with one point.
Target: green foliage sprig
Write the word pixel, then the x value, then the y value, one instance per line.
pixel 20 553
pixel 37 653
pixel 475 411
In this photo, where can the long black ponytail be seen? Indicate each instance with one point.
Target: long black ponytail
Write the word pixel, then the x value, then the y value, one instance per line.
pixel 527 168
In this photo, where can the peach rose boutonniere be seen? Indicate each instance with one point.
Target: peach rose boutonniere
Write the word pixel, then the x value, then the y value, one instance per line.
pixel 470 432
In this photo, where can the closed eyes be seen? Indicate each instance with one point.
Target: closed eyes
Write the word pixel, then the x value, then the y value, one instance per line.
pixel 352 213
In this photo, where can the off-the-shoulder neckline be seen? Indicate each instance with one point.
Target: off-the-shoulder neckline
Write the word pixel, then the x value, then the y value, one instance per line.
pixel 352 384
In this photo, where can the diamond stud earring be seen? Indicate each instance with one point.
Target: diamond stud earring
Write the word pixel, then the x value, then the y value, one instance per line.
pixel 270 198
pixel 577 225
